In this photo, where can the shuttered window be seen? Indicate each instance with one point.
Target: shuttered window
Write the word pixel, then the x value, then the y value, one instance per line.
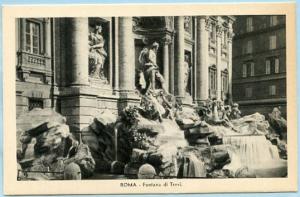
pixel 272 90
pixel 249 23
pixel 276 65
pixel 268 67
pixel 272 42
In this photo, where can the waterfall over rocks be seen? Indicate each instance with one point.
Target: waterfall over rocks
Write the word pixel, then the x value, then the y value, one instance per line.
pixel 254 152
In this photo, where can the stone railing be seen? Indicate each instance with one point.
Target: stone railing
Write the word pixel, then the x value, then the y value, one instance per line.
pixel 34 67
pixel 29 58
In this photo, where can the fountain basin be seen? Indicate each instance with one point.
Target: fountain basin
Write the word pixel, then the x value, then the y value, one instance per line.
pixel 276 170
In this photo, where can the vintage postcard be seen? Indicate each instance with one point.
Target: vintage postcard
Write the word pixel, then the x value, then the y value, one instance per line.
pixel 145 98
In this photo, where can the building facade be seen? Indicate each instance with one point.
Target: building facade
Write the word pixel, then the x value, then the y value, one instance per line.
pixel 81 66
pixel 259 63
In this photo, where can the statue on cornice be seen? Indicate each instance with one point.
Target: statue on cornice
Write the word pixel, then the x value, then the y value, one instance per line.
pixel 97 53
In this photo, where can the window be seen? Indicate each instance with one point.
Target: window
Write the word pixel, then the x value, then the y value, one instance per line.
pixel 272 65
pixel 273 20
pixel 272 42
pixel 249 23
pixel 252 69
pixel 244 70
pixel 248 69
pixel 212 81
pixel 268 67
pixel 272 90
pixel 35 103
pixel 249 47
pixel 248 92
pixel 33 37
pixel 276 70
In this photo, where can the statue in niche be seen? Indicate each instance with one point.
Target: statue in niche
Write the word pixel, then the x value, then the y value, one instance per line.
pixel 97 53
pixel 187 71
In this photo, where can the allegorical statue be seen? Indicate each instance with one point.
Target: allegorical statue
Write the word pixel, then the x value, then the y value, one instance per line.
pixel 97 53
pixel 150 69
pixel 187 69
pixel 159 99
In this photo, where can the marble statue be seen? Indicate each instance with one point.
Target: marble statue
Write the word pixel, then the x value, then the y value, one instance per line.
pixel 186 73
pixel 150 69
pixel 235 112
pixel 97 53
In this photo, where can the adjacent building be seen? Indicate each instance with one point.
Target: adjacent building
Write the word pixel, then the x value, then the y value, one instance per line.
pixel 259 63
pixel 81 66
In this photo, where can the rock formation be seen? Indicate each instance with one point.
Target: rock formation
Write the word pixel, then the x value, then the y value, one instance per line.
pixel 47 150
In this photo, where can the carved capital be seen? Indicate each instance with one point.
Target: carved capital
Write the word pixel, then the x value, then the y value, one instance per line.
pixel 208 23
pixel 219 30
pixel 166 40
pixel 46 21
pixel 135 23
pixel 230 36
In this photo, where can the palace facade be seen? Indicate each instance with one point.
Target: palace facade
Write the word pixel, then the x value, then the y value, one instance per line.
pixel 259 59
pixel 56 60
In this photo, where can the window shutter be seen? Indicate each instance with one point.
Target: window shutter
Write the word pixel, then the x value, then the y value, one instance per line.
pixel 272 90
pixel 252 69
pixel 244 74
pixel 249 24
pixel 272 40
pixel 277 65
pixel 249 46
pixel 248 92
pixel 268 67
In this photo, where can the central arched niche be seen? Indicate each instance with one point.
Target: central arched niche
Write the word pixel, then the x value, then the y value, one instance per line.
pixel 152 29
pixel 152 22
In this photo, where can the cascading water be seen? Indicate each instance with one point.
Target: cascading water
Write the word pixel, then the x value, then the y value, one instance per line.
pixel 116 143
pixel 172 134
pixel 169 141
pixel 254 152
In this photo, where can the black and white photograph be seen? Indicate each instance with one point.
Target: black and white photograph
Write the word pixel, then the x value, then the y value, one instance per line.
pixel 151 97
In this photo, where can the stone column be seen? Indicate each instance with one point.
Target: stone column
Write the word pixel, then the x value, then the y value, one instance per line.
pixel 230 37
pixel 126 55
pixel 171 67
pixel 116 50
pixel 166 41
pixel 219 57
pixel 22 34
pixel 78 103
pixel 47 44
pixel 78 51
pixel 179 57
pixel 202 58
